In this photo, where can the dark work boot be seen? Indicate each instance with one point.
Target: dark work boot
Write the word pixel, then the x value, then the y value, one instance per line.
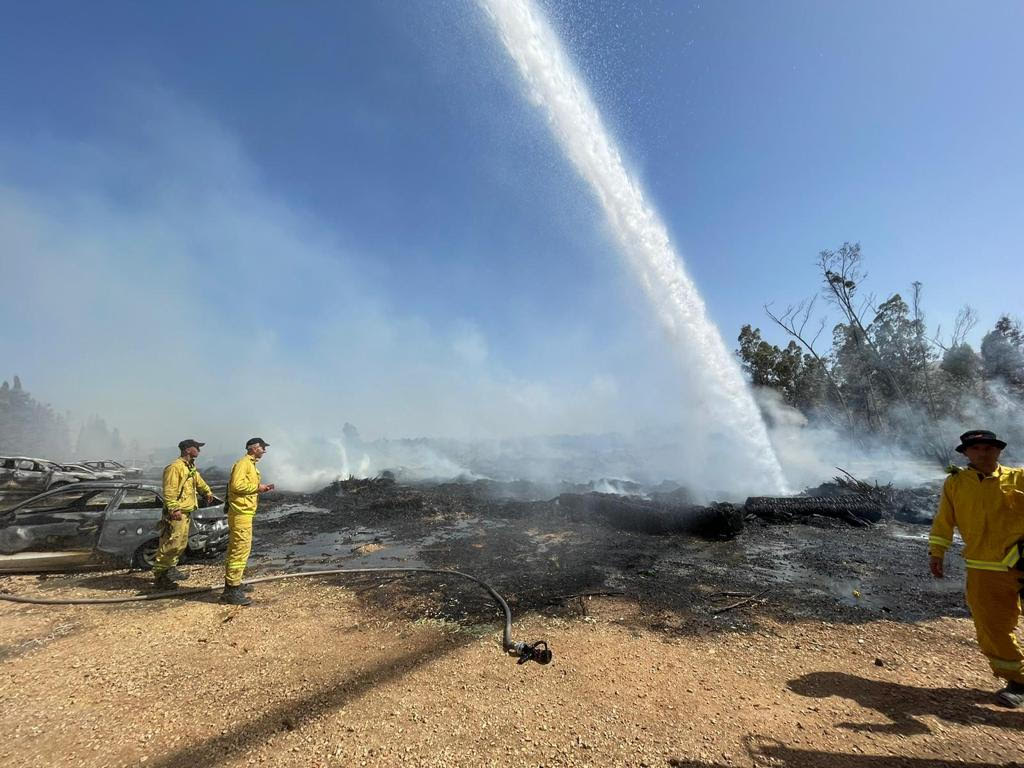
pixel 247 588
pixel 1012 695
pixel 176 575
pixel 163 583
pixel 234 596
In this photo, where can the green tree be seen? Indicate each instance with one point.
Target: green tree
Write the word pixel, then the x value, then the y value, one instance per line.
pixel 800 378
pixel 1002 353
pixel 963 366
pixel 882 372
pixel 856 372
pixel 768 365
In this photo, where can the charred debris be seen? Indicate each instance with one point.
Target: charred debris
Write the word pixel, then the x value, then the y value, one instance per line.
pixel 666 509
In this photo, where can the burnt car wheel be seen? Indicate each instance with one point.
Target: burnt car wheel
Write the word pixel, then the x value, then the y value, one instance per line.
pixel 145 556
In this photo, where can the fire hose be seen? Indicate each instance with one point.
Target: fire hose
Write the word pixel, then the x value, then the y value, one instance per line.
pixel 525 652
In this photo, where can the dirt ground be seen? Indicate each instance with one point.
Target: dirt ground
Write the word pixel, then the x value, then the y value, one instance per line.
pixel 791 645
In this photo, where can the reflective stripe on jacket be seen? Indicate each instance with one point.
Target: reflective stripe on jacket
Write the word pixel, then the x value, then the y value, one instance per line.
pixel 182 484
pixel 989 513
pixel 243 487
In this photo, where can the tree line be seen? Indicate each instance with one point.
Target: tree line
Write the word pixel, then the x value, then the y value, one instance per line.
pixel 882 375
pixel 31 428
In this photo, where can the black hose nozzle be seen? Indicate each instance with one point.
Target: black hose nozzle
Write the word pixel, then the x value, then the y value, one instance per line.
pixel 538 652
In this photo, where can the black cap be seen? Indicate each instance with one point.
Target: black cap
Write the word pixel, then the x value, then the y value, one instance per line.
pixel 979 437
pixel 190 443
pixel 254 440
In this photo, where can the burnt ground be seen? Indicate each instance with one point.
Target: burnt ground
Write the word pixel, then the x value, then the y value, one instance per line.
pixel 543 555
pixel 808 643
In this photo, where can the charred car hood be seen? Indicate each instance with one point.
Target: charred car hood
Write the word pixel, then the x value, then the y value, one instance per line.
pixel 210 513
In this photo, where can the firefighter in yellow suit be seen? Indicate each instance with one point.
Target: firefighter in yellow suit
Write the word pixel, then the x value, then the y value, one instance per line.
pixel 244 489
pixel 182 486
pixel 985 502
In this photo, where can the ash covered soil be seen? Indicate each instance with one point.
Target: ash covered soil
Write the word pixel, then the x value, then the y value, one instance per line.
pixel 809 643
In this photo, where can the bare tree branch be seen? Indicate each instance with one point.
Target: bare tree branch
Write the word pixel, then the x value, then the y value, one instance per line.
pixel 965 321
pixel 843 273
pixel 793 321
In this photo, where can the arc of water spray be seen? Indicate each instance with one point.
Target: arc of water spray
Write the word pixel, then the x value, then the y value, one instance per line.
pixel 720 391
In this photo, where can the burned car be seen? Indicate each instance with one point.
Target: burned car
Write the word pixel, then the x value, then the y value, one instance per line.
pixel 97 523
pixel 83 472
pixel 109 465
pixel 22 477
pixel 27 474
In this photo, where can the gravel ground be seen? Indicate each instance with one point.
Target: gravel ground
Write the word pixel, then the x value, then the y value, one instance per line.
pixel 795 645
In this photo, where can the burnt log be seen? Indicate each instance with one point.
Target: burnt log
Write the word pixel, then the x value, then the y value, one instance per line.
pixel 853 509
pixel 628 513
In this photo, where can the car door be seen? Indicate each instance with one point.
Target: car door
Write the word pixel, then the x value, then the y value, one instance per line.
pixel 131 522
pixel 29 476
pixel 7 470
pixel 10 496
pixel 55 531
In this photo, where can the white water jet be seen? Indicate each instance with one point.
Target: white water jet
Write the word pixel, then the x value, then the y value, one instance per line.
pixel 734 427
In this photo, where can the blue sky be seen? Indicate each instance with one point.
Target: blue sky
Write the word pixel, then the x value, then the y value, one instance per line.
pixel 309 213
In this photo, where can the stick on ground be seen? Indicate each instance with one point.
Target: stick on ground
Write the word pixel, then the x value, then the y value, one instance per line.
pixel 737 604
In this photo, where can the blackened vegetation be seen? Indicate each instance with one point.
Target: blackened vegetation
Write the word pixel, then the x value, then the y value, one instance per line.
pixel 380 500
pixel 854 510
pixel 673 564
pixel 717 521
pixel 376 501
pixel 368 494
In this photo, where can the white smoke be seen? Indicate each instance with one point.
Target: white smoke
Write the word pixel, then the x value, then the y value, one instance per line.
pixel 309 464
pixel 626 464
pixel 181 267
pixel 1003 413
pixel 812 453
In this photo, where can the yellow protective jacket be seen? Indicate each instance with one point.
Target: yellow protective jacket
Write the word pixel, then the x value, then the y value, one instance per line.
pixel 182 485
pixel 989 513
pixel 243 487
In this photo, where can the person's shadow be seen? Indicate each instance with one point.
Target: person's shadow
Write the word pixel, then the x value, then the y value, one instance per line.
pixel 902 704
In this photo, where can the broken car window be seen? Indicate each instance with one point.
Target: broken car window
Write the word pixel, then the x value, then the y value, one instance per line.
pixel 135 498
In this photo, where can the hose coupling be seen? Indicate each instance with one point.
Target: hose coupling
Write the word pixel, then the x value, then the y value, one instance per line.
pixel 538 652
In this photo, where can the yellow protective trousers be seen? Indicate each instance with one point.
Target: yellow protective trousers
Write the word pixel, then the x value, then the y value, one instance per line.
pixel 239 546
pixel 173 541
pixel 994 600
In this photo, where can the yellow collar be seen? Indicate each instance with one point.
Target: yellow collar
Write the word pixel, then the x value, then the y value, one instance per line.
pixel 997 472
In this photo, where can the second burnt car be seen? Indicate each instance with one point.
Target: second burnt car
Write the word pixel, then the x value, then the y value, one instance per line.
pixel 23 473
pixel 120 471
pixel 82 472
pixel 23 476
pixel 97 523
